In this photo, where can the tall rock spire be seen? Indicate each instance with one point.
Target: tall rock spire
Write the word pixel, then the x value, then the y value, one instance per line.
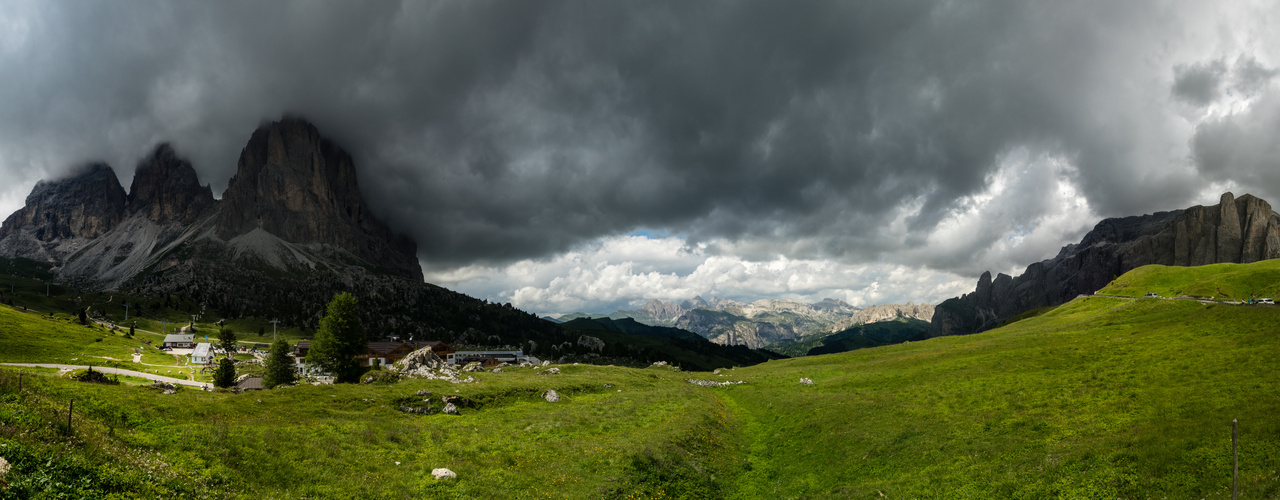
pixel 165 188
pixel 295 184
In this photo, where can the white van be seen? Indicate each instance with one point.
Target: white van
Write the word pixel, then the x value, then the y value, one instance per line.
pixel 1266 301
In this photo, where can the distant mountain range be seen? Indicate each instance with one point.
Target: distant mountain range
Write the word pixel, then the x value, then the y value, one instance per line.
pixel 1238 230
pixel 763 323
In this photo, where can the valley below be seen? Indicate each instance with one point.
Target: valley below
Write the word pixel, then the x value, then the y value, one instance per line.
pixel 1097 398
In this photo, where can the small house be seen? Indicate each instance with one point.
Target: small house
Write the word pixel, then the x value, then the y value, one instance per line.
pixel 203 354
pixel 180 340
pixel 300 353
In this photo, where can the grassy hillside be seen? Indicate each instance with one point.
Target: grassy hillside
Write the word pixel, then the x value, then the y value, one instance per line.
pixel 1098 398
pixel 1222 281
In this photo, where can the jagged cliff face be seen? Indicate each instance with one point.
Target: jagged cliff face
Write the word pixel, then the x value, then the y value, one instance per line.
pixel 60 215
pixel 165 188
pixel 85 205
pixel 771 322
pixel 1238 230
pixel 300 187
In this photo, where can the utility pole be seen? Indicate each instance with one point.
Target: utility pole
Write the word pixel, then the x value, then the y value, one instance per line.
pixel 273 329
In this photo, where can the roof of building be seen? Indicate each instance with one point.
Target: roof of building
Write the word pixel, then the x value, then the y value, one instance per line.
pixel 250 383
pixel 203 350
pixel 179 337
pixel 385 347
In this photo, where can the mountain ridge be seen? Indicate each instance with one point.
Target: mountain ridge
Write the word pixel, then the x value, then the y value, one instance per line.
pixel 1236 230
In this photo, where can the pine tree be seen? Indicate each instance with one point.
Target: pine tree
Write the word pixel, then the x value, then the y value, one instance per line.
pixel 279 368
pixel 227 340
pixel 225 374
pixel 339 338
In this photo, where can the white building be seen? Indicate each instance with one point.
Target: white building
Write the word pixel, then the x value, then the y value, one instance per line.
pixel 203 354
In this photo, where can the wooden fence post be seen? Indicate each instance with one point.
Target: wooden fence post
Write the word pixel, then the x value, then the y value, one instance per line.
pixel 1235 462
pixel 70 405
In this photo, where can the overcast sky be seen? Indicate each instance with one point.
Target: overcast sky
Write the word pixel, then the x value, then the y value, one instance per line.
pixel 590 155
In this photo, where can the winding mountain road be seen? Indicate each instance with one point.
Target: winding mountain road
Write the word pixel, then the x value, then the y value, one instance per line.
pixel 118 371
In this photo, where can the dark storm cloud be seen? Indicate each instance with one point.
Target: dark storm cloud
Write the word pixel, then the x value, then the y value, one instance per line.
pixel 1198 83
pixel 494 131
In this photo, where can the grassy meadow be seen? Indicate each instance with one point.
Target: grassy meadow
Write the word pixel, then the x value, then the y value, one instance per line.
pixel 1097 398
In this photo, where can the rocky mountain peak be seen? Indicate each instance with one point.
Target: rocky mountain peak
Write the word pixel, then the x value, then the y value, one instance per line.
pixel 85 205
pixel 165 188
pixel 1239 230
pixel 297 185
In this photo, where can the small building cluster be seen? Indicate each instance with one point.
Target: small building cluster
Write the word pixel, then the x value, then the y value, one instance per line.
pixel 386 353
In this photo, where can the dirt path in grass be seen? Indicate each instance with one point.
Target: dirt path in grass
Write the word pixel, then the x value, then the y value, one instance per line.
pixel 107 370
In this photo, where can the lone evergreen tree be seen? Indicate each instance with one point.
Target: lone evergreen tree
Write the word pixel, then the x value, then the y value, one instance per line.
pixel 227 340
pixel 279 368
pixel 225 374
pixel 84 319
pixel 339 338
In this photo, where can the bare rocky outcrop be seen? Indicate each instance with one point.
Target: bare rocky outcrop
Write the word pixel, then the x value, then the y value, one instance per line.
pixel 297 185
pixel 61 216
pixel 885 312
pixel 165 188
pixel 1239 230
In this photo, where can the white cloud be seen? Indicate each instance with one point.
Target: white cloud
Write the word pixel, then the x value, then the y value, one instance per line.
pixel 625 271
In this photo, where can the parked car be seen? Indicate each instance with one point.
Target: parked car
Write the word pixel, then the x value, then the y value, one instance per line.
pixel 1151 295
pixel 1266 301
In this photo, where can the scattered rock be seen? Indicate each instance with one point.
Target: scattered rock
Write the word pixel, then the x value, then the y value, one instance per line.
pixel 550 371
pixel 496 370
pixel 459 402
pixel 424 392
pixel 443 474
pixel 4 468
pixel 551 396
pixel 713 383
pixel 450 409
pixel 716 372
pixel 546 363
pixel 806 381
pixel 473 366
pixel 169 391
pixel 659 363
pixel 416 410
pixel 608 386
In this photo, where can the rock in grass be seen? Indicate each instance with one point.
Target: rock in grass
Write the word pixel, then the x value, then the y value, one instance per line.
pixel 806 381
pixel 496 370
pixel 550 371
pixel 450 409
pixel 424 392
pixel 443 474
pixel 551 396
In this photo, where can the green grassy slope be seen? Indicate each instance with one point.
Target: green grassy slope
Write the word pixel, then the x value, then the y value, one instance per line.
pixel 1098 398
pixel 1222 281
